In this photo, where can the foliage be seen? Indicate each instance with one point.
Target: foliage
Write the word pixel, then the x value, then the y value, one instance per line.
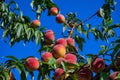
pixel 17 27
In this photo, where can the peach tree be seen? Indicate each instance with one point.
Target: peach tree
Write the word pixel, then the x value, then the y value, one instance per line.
pixel 60 58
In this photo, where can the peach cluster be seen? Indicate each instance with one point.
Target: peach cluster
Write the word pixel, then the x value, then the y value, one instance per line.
pixel 59 17
pixel 61 54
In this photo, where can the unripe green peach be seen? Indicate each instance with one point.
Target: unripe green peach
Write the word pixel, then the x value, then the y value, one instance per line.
pixel 62 41
pixel 114 75
pixel 35 24
pixel 54 11
pixel 59 51
pixel 84 74
pixel 58 73
pixel 60 18
pixel 32 64
pixel 97 65
pixel 49 37
pixel 70 41
pixel 46 56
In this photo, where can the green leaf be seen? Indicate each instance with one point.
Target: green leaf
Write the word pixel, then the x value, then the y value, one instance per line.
pixel 116 49
pixel 37 37
pixel 90 55
pixel 64 66
pixel 111 33
pixel 42 28
pixel 88 26
pixel 52 62
pixel 20 28
pixel 32 4
pixel 80 29
pixel 23 75
pixel 79 41
pixel 29 33
pixel 6 32
pixel 86 33
pixel 64 28
pixel 13 2
pixel 89 60
pixel 104 76
pixel 32 75
pixel 2 77
pixel 6 74
pixel 117 77
pixel 27 19
pixel 39 75
pixel 12 57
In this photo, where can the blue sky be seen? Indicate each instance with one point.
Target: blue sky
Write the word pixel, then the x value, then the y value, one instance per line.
pixel 84 9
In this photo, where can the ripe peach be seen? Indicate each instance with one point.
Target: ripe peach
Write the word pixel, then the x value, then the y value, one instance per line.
pixel 59 60
pixel 32 64
pixel 98 65
pixel 70 58
pixel 84 74
pixel 59 51
pixel 114 75
pixel 46 56
pixel 35 24
pixel 11 76
pixel 49 36
pixel 70 41
pixel 60 18
pixel 62 41
pixel 54 11
pixel 58 73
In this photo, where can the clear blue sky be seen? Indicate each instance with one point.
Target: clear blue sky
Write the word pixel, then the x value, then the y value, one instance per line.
pixel 84 9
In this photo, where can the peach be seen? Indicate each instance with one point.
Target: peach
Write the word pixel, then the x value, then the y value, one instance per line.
pixel 35 24
pixel 60 18
pixel 11 77
pixel 59 60
pixel 59 51
pixel 84 74
pixel 70 58
pixel 98 65
pixel 49 36
pixel 54 11
pixel 70 41
pixel 58 73
pixel 46 56
pixel 62 41
pixel 32 64
pixel 114 75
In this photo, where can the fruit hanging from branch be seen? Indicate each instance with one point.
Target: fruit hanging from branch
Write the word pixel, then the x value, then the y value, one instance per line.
pixel 97 65
pixel 59 51
pixel 53 11
pixel 35 23
pixel 32 64
pixel 60 18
